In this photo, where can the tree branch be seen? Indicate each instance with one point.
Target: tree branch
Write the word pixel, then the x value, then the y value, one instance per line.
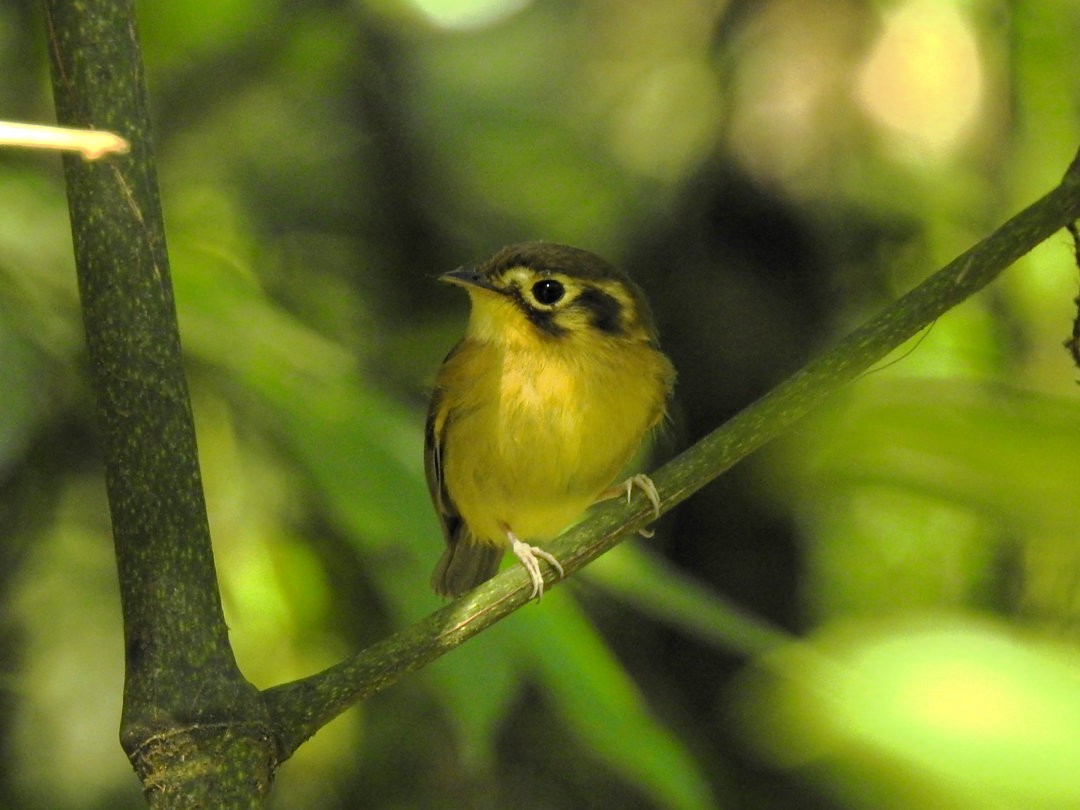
pixel 300 708
pixel 175 633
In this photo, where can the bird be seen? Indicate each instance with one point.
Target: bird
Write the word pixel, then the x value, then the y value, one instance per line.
pixel 539 407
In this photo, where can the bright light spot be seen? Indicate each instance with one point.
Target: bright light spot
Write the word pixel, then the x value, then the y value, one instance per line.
pixel 959 685
pixel 923 78
pixel 970 710
pixel 669 120
pixel 965 699
pixel 788 120
pixel 468 14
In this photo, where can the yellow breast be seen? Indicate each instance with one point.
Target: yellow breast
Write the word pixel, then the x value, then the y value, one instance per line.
pixel 532 437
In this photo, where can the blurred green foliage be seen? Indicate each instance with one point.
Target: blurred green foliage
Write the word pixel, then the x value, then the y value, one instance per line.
pixel 771 172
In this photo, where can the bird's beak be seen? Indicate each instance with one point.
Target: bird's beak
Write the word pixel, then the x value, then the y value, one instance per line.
pixel 467 277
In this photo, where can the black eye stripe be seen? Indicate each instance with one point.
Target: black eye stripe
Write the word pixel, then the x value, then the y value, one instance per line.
pixel 605 312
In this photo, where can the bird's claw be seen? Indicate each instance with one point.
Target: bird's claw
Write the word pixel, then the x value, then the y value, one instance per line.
pixel 530 556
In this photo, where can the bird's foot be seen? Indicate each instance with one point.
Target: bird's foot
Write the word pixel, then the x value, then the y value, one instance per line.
pixel 530 557
pixel 642 482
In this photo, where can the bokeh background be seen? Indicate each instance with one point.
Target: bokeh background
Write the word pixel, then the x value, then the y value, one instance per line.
pixel 880 610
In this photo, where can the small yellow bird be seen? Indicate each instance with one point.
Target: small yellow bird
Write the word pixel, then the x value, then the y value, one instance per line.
pixel 539 407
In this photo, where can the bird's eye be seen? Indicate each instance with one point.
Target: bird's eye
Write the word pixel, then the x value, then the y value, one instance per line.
pixel 548 291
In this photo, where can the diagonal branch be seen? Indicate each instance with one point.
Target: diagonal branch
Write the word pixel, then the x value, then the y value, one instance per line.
pixel 300 708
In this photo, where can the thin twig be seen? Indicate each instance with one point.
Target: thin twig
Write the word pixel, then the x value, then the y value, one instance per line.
pixel 92 143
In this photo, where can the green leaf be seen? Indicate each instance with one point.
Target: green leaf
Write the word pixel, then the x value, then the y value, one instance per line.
pixel 963 442
pixel 605 708
pixel 655 587
pixel 942 711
